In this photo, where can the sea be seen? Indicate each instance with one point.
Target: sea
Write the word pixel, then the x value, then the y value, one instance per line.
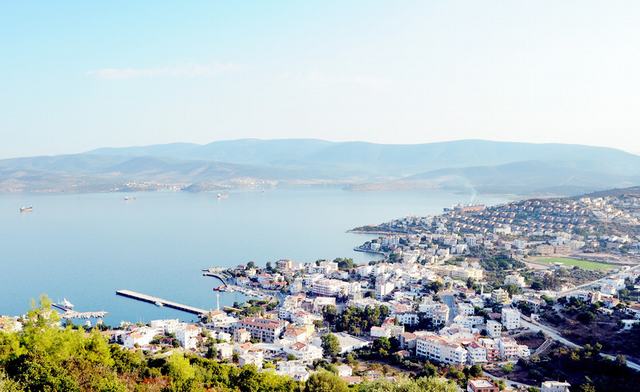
pixel 84 247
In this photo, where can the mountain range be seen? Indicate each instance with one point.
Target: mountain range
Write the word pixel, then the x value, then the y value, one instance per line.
pixel 485 166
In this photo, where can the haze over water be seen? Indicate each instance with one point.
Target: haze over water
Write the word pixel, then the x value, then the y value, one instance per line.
pixel 86 246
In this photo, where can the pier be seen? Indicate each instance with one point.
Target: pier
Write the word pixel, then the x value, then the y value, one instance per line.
pixel 161 302
pixel 72 314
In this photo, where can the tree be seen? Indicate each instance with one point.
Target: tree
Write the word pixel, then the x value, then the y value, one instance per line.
pixel 587 388
pixel 345 264
pixel 330 345
pixel 423 384
pixel 324 381
pixel 429 370
pixel 382 346
pixel 181 373
pixel 475 371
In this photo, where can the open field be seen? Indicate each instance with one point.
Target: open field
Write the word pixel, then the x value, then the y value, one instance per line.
pixel 584 264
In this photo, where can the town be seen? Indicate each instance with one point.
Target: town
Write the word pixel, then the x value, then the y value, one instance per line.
pixel 468 294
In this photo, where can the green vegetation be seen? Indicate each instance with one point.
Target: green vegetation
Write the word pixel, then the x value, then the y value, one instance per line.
pixel 330 345
pixel 345 264
pixel 46 357
pixel 585 369
pixel 358 321
pixel 424 384
pixel 584 264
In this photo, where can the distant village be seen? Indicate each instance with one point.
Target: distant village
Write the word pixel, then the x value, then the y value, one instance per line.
pixel 472 287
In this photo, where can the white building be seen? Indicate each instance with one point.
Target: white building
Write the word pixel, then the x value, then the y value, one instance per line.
pixel 187 335
pixel 304 352
pixel 439 349
pixel 494 329
pixel 555 386
pixel 514 279
pixel 251 358
pixel 224 351
pixel 476 353
pixel 140 336
pixel 509 349
pixel 466 309
pixel 510 318
pixel 330 287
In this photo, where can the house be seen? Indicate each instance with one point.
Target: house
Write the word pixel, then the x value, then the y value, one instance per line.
pixel 187 336
pixel 476 353
pixel 307 353
pixel 493 328
pixel 224 351
pixel 251 358
pixel 344 370
pixel 510 318
pixel 140 336
pixel 481 385
pixel 555 386
pixel 241 335
pixel 294 369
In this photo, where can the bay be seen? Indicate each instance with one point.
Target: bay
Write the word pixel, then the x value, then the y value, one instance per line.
pixel 83 247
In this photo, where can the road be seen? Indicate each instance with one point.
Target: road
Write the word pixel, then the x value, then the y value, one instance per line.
pixel 555 335
pixel 449 300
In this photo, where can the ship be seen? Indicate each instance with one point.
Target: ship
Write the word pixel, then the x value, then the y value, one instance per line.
pixel 129 198
pixel 64 305
pixel 26 209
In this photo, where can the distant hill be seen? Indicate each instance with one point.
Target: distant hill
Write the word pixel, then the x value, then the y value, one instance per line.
pixel 559 178
pixel 483 165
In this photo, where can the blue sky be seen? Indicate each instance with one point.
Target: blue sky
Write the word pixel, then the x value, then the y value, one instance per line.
pixel 79 75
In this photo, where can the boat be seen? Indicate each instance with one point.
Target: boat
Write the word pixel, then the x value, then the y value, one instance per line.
pixel 129 198
pixel 65 302
pixel 159 304
pixel 64 305
pixel 26 209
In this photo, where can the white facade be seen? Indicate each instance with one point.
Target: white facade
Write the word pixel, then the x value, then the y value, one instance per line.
pixel 438 349
pixel 187 335
pixel 494 329
pixel 555 386
pixel 510 318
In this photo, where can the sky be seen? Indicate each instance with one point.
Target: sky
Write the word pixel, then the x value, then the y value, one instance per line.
pixel 79 75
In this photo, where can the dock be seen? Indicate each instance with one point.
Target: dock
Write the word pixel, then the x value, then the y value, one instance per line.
pixel 72 314
pixel 161 302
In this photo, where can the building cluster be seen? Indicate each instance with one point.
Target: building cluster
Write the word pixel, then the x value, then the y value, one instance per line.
pixel 530 227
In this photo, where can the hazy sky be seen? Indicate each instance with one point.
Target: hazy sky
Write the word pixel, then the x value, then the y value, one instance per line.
pixel 78 75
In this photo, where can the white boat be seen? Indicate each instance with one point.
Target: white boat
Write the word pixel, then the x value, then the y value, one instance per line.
pixel 26 209
pixel 159 304
pixel 65 302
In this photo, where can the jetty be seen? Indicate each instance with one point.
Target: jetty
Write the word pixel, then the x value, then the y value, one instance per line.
pixel 161 302
pixel 72 314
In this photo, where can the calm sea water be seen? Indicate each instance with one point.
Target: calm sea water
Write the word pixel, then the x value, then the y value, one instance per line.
pixel 84 247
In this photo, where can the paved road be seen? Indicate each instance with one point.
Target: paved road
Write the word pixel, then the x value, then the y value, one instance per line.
pixel 555 335
pixel 449 300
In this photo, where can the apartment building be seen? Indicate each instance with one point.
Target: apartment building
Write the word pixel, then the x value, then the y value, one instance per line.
pixel 262 329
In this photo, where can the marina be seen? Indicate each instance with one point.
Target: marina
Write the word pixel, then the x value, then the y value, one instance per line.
pixel 68 312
